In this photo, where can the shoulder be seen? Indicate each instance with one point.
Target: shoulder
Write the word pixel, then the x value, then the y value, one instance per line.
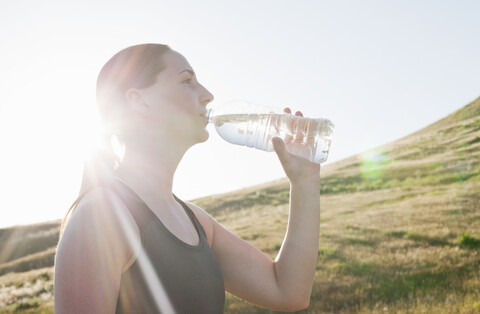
pixel 102 209
pixel 205 220
pixel 93 252
pixel 101 224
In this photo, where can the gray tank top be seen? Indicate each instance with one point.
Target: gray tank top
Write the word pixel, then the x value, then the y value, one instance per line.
pixel 190 275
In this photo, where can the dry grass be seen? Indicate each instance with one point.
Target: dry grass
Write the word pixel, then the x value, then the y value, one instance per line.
pixel 27 292
pixel 32 261
pixel 402 255
pixel 392 225
pixel 400 228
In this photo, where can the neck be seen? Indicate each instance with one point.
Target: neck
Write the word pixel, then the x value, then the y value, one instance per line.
pixel 149 171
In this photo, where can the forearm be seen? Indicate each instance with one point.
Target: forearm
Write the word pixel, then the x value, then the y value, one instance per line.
pixel 296 262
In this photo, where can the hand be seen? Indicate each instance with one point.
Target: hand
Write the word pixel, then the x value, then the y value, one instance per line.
pixel 296 168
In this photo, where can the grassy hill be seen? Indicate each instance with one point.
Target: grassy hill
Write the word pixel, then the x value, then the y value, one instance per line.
pixel 400 229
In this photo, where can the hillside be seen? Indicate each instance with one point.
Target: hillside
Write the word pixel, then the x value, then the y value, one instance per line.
pixel 400 228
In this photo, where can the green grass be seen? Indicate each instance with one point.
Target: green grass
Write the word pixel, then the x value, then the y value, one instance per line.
pixel 467 241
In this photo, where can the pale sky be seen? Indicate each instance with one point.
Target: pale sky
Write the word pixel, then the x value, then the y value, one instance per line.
pixel 378 69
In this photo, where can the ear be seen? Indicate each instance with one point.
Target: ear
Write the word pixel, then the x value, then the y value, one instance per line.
pixel 135 100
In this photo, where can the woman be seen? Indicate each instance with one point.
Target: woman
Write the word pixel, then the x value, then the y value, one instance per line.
pixel 131 246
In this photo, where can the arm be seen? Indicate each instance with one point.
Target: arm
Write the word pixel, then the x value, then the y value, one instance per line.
pixel 284 284
pixel 296 262
pixel 92 254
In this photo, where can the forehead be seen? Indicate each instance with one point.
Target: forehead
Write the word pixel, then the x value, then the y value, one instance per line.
pixel 175 62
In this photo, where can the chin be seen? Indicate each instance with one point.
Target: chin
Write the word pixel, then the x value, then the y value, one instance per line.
pixel 199 137
pixel 203 137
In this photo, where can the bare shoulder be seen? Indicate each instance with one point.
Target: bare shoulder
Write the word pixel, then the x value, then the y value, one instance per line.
pixel 101 224
pixel 96 247
pixel 102 212
pixel 205 220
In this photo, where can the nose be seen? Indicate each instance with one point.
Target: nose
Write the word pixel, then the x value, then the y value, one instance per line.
pixel 206 97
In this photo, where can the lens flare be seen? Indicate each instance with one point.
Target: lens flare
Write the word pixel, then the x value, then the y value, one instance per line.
pixel 148 271
pixel 372 165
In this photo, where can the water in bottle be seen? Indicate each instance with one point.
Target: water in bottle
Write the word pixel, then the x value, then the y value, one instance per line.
pixel 252 125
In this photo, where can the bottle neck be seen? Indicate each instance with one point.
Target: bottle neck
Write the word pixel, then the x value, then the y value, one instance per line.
pixel 210 115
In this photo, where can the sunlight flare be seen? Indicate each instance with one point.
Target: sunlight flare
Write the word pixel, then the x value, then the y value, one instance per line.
pixel 372 165
pixel 151 277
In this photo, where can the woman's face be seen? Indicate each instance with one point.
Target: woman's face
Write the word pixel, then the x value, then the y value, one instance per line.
pixel 176 102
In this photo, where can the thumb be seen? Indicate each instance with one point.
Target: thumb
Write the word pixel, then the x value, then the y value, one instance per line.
pixel 281 150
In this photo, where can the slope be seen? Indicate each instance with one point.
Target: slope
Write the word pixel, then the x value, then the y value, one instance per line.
pixel 399 229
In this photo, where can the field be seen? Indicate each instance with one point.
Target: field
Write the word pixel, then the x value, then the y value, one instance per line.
pixel 400 230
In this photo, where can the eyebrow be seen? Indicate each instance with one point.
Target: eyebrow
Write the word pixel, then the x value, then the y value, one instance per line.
pixel 189 71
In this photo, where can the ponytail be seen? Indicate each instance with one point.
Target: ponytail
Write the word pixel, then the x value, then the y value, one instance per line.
pixel 98 170
pixel 135 66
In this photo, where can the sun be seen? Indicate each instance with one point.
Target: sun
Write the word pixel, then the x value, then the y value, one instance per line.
pixel 46 135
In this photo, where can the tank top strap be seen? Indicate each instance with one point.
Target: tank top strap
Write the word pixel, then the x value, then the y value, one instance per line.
pixel 192 216
pixel 145 216
pixel 135 205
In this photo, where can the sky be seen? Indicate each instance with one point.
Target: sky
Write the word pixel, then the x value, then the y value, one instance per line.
pixel 379 70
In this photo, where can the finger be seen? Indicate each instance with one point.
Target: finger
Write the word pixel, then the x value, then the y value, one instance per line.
pixel 310 131
pixel 288 136
pixel 277 121
pixel 293 125
pixel 300 130
pixel 283 155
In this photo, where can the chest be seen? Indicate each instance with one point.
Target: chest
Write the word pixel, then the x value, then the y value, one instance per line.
pixel 178 223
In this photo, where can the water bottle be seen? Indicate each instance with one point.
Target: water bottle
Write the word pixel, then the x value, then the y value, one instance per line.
pixel 252 125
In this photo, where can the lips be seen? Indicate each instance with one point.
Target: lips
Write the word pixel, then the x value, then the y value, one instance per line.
pixel 204 116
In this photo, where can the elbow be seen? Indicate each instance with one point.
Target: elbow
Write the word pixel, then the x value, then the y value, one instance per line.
pixel 302 304
pixel 296 303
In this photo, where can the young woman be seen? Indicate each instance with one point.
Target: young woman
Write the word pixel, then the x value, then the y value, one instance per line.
pixel 131 246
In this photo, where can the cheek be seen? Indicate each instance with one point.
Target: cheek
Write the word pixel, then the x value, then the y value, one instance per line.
pixel 180 101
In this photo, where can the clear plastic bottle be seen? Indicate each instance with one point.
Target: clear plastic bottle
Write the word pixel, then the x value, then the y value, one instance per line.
pixel 252 125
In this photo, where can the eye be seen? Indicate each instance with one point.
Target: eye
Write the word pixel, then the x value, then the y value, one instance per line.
pixel 187 81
